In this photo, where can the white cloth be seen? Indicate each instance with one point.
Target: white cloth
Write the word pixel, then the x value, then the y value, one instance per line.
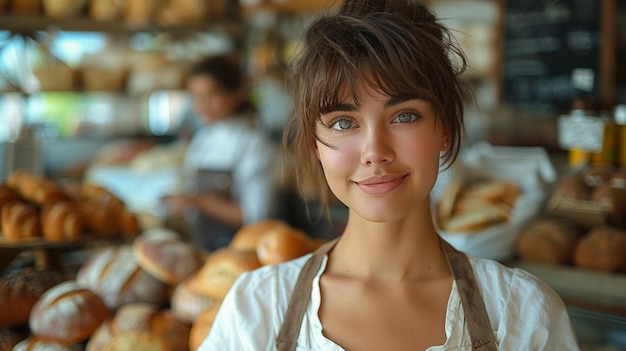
pixel 525 313
pixel 234 145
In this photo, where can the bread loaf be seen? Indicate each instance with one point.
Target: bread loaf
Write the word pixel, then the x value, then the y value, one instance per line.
pixel 222 268
pixel 249 235
pixel 107 10
pixel 603 248
pixel 470 206
pixel 61 221
pixel 35 344
pixel 115 276
pixel 202 326
pixel 283 245
pixel 101 337
pixel 99 219
pixel 145 319
pixel 136 341
pixel 8 195
pixel 548 240
pixel 163 254
pixel 20 221
pixel 187 302
pixel 20 290
pixel 67 314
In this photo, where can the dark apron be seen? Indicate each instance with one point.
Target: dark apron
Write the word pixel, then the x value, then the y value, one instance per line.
pixel 206 232
pixel 478 325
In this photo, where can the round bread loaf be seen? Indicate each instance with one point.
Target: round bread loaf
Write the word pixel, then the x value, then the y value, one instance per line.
pixel 163 254
pixel 615 200
pixel 133 316
pixel 67 314
pixel 20 290
pixel 283 245
pixel 573 187
pixel 249 235
pixel 35 344
pixel 202 326
pixel 548 240
pixel 173 332
pixel 603 248
pixel 222 268
pixel 116 277
pixel 187 302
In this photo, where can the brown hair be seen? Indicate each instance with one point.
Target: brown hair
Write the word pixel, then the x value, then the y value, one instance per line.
pixel 223 69
pixel 394 46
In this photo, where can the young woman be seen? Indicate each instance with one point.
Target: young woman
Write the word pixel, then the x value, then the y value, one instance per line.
pixel 230 163
pixel 378 111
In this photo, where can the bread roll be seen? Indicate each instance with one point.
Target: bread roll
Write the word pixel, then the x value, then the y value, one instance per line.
pixel 136 341
pixel 101 337
pixel 35 344
pixel 107 10
pixel 67 314
pixel 479 218
pixel 116 277
pixel 283 245
pixel 20 221
pixel 163 254
pixel 615 199
pixel 202 326
pixel 129 224
pixel 149 320
pixel 99 219
pixel 548 240
pixel 187 302
pixel 603 248
pixel 61 221
pixel 249 235
pixel 133 317
pixel 222 268
pixel 20 290
pixel 573 187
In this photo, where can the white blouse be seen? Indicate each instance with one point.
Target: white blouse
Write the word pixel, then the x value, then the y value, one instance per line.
pixel 525 313
pixel 234 145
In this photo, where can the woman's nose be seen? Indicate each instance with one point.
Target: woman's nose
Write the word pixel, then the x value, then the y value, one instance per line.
pixel 376 148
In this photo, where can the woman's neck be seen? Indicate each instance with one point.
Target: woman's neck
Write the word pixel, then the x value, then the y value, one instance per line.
pixel 407 249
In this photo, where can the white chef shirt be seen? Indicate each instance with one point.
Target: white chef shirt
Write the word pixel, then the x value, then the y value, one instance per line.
pixel 235 145
pixel 525 313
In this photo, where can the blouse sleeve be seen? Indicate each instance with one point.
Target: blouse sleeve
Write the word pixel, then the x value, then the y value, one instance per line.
pixel 536 318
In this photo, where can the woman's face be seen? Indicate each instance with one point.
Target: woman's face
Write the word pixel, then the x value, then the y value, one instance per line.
pixel 382 154
pixel 210 101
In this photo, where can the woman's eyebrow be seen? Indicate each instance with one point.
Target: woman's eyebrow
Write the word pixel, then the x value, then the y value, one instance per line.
pixel 398 100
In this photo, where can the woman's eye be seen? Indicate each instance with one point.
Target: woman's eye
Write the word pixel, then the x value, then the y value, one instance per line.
pixel 342 124
pixel 406 117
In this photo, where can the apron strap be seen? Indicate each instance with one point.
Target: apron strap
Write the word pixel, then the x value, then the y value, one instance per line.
pixel 478 325
pixel 289 331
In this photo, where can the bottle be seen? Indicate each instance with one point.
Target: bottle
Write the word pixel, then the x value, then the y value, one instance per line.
pixel 579 157
pixel 607 156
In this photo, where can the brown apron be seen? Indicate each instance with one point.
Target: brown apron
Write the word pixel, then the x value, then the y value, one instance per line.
pixel 478 325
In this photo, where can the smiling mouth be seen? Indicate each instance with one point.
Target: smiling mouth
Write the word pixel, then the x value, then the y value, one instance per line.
pixel 381 185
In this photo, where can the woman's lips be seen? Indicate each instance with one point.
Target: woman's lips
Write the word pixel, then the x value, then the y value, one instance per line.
pixel 380 185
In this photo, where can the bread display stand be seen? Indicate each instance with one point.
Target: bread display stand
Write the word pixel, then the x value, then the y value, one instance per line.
pixel 46 254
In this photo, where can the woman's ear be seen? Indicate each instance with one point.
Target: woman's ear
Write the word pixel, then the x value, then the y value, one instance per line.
pixel 445 145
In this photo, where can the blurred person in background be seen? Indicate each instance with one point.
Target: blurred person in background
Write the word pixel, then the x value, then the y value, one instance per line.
pixel 230 164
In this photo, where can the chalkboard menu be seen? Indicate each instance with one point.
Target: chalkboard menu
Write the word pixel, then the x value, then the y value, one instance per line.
pixel 551 52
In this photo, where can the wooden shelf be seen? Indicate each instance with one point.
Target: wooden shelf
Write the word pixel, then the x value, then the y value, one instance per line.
pixel 290 6
pixel 33 23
